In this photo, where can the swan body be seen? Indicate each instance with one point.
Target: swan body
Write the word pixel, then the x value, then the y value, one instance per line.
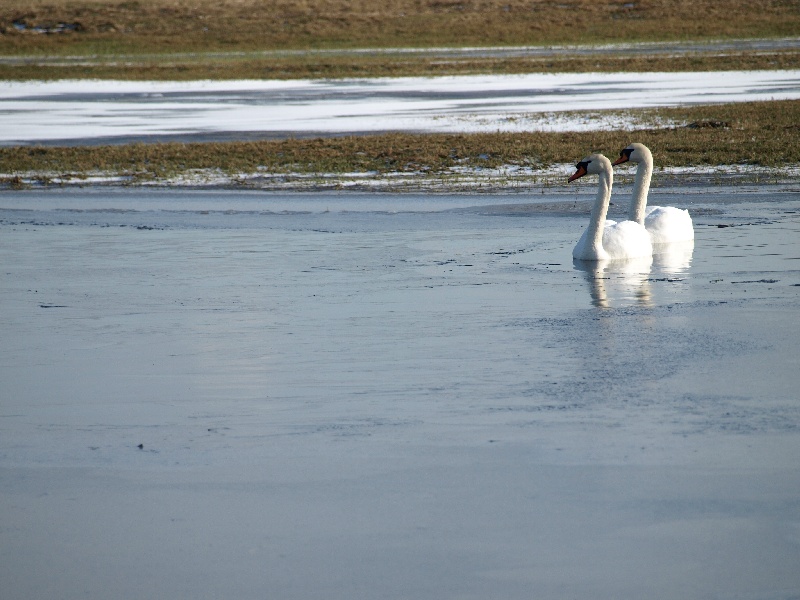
pixel 665 224
pixel 604 240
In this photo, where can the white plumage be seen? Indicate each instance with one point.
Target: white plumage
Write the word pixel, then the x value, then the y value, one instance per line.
pixel 610 240
pixel 665 224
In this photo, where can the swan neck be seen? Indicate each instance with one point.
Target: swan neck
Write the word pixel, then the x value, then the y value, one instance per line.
pixel 600 209
pixel 641 188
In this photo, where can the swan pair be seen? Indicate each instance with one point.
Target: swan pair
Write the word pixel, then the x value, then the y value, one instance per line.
pixel 646 226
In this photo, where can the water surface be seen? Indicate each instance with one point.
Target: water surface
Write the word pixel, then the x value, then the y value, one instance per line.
pixel 343 396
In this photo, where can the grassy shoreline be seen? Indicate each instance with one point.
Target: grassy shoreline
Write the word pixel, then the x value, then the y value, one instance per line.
pixel 287 39
pixel 233 39
pixel 86 27
pixel 758 134
pixel 201 67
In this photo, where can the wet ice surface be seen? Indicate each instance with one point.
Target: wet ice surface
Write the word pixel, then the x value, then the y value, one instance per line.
pixel 94 112
pixel 359 396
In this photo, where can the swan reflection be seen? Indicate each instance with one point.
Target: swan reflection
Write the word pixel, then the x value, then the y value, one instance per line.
pixel 618 282
pixel 673 259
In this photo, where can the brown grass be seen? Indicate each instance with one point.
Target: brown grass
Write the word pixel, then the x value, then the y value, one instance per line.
pixel 185 68
pixel 157 26
pixel 228 39
pixel 222 39
pixel 761 133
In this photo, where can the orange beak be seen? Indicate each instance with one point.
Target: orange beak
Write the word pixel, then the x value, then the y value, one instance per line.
pixel 579 173
pixel 624 157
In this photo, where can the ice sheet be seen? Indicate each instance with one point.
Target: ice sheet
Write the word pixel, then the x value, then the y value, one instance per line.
pixel 107 111
pixel 364 397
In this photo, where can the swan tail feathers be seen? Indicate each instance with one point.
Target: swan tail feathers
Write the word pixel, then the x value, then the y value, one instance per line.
pixel 667 224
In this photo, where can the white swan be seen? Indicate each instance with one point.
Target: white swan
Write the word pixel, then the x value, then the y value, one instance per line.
pixel 665 224
pixel 613 241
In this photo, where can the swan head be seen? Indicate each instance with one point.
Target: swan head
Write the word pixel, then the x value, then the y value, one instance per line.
pixel 594 164
pixel 634 153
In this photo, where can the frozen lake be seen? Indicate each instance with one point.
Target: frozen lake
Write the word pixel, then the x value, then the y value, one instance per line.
pixel 92 112
pixel 348 396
